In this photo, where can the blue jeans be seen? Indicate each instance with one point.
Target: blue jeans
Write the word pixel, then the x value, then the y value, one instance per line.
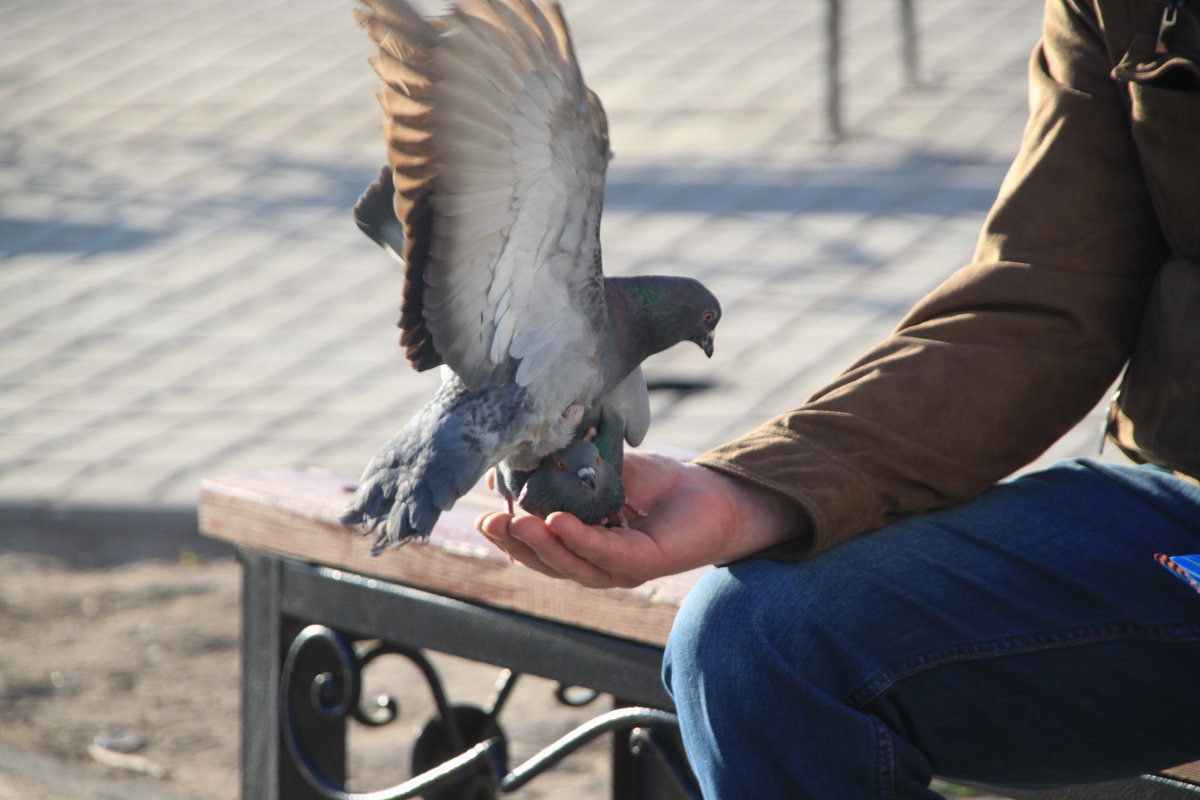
pixel 1024 638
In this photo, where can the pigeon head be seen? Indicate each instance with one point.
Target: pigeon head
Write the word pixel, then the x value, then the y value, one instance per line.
pixel 575 479
pixel 575 466
pixel 657 311
pixel 706 328
pixel 694 312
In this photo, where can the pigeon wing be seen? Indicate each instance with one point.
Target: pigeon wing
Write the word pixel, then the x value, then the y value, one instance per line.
pixel 630 402
pixel 497 153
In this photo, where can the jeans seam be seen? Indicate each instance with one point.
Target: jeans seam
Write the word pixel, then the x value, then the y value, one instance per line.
pixel 913 665
pixel 887 761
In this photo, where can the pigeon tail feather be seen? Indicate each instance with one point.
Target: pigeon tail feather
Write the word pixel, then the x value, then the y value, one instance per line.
pixel 435 459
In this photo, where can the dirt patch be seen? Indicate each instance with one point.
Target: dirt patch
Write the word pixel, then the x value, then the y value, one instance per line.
pixel 150 648
pixel 146 656
pixel 148 653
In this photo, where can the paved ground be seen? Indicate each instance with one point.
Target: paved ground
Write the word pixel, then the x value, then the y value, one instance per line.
pixel 182 292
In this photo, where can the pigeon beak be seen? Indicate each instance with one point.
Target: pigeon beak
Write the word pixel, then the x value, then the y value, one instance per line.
pixel 587 476
pixel 706 343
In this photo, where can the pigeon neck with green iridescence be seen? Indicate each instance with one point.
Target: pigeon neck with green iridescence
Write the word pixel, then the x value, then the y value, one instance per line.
pixel 643 315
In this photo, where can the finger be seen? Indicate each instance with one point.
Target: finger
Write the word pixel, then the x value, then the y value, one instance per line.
pixel 535 534
pixel 494 525
pixel 618 552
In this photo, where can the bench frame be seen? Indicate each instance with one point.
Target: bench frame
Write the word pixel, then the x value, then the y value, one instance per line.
pixel 283 598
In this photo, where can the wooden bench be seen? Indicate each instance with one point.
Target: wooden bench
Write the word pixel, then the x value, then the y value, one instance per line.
pixel 318 607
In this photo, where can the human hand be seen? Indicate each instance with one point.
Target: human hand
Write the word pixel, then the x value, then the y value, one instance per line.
pixel 694 516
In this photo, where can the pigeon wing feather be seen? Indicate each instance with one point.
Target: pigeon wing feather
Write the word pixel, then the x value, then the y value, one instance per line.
pixel 497 151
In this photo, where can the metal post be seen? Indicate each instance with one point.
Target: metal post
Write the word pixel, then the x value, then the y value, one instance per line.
pixel 833 65
pixel 908 43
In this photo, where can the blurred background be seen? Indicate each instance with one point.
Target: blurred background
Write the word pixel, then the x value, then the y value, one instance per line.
pixel 183 293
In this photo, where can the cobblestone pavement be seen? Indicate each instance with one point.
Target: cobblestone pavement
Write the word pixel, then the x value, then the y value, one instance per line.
pixel 183 293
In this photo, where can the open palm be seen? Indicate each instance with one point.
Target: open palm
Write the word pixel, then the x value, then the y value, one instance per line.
pixel 694 516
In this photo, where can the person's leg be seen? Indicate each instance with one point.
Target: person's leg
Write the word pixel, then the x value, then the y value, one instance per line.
pixel 1026 637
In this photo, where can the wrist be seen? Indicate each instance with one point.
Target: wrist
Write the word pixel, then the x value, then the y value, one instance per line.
pixel 763 518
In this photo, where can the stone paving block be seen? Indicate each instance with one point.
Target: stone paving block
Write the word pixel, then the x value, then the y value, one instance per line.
pixel 249 454
pixel 36 481
pixel 48 422
pixel 109 483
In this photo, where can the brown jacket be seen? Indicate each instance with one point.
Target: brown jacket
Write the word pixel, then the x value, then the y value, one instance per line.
pixel 1014 349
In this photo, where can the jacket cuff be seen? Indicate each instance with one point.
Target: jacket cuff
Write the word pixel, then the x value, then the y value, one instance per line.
pixel 832 494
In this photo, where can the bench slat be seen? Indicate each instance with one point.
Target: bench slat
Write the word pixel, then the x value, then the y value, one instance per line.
pixel 1186 772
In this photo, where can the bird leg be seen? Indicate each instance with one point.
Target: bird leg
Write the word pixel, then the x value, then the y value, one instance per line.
pixel 493 480
pixel 589 434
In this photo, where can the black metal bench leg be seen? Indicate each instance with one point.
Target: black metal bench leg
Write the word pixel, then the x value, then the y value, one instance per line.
pixel 268 772
pixel 627 783
pixel 260 676
pixel 650 765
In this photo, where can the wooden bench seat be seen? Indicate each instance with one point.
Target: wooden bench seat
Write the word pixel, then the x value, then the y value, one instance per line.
pixel 295 514
pixel 303 568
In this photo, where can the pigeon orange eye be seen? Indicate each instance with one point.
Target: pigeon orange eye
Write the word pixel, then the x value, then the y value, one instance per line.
pixel 560 464
pixel 597 461
pixel 709 316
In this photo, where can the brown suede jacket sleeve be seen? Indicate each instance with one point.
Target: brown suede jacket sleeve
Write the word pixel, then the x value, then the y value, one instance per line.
pixel 1008 354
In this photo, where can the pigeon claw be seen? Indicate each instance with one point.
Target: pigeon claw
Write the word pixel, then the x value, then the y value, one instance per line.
pixel 637 512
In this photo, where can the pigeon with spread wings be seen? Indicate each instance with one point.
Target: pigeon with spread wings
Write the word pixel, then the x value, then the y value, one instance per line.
pixel 492 198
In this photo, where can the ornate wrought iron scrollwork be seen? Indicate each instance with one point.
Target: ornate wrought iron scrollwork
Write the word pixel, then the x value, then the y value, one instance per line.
pixel 337 692
pixel 460 755
pixel 386 709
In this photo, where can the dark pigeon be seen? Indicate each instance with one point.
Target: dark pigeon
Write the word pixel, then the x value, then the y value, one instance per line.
pixel 492 199
pixel 606 436
pixel 577 480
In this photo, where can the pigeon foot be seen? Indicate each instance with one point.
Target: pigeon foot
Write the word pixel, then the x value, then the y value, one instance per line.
pixel 574 413
pixel 637 512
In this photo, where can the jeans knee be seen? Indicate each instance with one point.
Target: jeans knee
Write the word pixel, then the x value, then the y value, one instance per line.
pixel 714 637
pixel 761 621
